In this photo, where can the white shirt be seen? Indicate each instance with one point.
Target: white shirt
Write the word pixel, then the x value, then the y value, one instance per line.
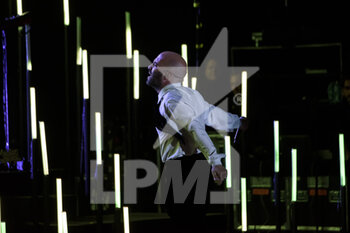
pixel 187 112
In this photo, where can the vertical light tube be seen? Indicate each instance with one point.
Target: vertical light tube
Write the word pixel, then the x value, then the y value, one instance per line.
pixel 59 205
pixel 28 48
pixel 228 161
pixel 136 75
pixel 43 148
pixel 85 75
pixel 244 204
pixel 3 227
pixel 294 175
pixel 244 94
pixel 117 181
pixel 64 222
pixel 19 7
pixel 66 12
pixel 184 56
pixel 194 83
pixel 128 35
pixel 78 46
pixel 126 219
pixel 98 138
pixel 33 112
pixel 276 137
pixel 342 160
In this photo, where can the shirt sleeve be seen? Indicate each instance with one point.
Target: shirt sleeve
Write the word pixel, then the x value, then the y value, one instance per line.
pixel 221 120
pixel 186 119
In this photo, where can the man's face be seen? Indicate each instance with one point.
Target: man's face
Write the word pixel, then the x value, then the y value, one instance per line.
pixel 155 76
pixel 346 91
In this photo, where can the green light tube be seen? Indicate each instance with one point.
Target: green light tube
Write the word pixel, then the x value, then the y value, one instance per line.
pixel 33 112
pixel 43 148
pixel 126 219
pixel 244 94
pixel 128 35
pixel 3 227
pixel 276 136
pixel 194 83
pixel 294 175
pixel 184 56
pixel 117 181
pixel 244 204
pixel 59 205
pixel 66 12
pixel 78 46
pixel 19 7
pixel 136 75
pixel 342 160
pixel 98 138
pixel 228 161
pixel 85 75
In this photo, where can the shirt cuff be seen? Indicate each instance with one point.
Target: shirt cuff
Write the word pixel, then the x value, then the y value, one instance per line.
pixel 215 159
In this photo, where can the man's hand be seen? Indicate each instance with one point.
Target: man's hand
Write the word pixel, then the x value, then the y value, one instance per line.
pixel 219 173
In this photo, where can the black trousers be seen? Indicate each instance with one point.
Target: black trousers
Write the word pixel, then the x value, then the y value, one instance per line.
pixel 189 216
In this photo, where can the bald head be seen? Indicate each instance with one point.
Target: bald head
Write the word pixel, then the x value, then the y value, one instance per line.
pixel 172 66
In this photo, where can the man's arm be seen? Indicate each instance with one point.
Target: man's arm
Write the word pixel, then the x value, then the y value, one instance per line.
pixel 193 125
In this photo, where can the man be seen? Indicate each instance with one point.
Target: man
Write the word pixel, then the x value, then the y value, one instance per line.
pixel 181 133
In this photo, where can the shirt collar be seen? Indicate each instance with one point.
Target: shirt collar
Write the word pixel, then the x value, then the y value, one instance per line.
pixel 165 90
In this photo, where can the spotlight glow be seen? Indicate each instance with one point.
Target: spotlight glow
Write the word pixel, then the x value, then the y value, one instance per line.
pixel 228 161
pixel 276 145
pixel 136 75
pixel 128 35
pixel 98 138
pixel 117 181
pixel 244 94
pixel 184 56
pixel 294 175
pixel 43 148
pixel 342 160
pixel 85 75
pixel 33 112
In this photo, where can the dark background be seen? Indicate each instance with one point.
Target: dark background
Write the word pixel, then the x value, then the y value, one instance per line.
pixel 280 90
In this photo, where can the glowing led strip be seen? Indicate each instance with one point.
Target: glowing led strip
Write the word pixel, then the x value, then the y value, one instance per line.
pixel 128 35
pixel 117 181
pixel 244 204
pixel 85 75
pixel 19 7
pixel 98 138
pixel 33 112
pixel 184 56
pixel 43 148
pixel 244 94
pixel 228 161
pixel 126 219
pixel 59 205
pixel 136 75
pixel 66 12
pixel 342 160
pixel 294 175
pixel 276 145
pixel 79 49
pixel 194 83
